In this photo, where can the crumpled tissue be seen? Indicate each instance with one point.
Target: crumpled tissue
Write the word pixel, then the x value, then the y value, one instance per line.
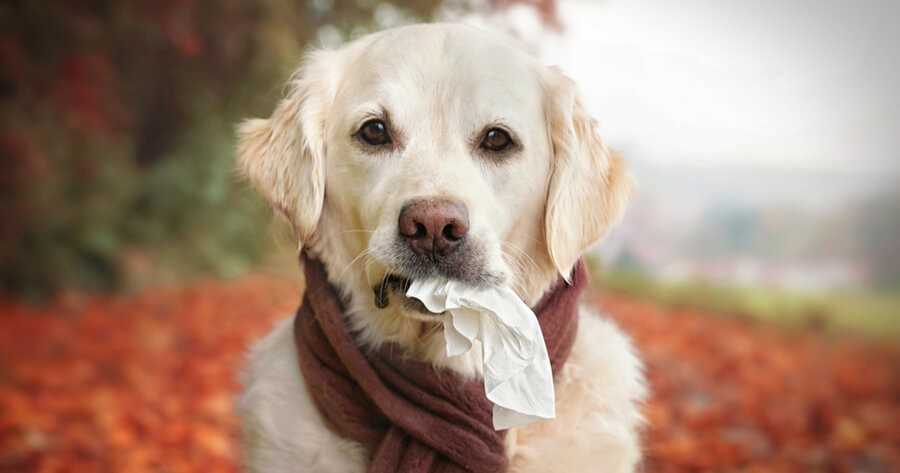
pixel 517 375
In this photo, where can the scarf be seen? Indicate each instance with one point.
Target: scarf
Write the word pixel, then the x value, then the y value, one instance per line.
pixel 415 418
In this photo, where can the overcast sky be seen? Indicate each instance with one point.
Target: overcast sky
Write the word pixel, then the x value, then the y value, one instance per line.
pixel 796 84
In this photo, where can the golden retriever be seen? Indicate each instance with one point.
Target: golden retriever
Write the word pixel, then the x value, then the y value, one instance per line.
pixel 496 152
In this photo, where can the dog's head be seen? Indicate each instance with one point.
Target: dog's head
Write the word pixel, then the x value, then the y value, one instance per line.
pixel 434 150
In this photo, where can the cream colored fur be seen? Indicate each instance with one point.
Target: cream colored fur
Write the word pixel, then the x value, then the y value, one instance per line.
pixel 534 213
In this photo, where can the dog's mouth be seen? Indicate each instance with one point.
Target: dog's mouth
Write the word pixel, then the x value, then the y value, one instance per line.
pixel 395 286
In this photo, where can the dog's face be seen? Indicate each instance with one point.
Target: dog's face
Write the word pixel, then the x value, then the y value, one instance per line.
pixel 434 150
pixel 439 157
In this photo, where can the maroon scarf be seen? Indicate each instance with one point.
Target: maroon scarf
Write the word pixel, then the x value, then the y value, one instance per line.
pixel 415 418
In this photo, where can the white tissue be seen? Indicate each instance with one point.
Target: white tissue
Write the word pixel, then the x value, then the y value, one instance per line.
pixel 517 376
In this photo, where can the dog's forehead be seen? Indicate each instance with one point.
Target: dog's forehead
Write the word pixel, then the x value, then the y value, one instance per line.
pixel 455 64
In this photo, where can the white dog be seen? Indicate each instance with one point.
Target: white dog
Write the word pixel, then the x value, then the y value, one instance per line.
pixel 445 141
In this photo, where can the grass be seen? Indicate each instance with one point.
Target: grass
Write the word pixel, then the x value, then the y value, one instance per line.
pixel 869 313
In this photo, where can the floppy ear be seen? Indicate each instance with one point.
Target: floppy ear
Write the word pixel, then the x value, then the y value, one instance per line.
pixel 589 186
pixel 284 156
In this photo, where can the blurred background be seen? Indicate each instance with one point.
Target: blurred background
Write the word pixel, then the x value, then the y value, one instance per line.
pixel 758 267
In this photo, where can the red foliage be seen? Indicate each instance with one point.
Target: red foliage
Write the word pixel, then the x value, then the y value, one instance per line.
pixel 130 384
pixel 146 383
pixel 732 396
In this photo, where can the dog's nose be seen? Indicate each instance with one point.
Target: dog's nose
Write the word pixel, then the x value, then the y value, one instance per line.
pixel 434 227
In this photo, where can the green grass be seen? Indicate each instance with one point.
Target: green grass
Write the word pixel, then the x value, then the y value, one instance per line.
pixel 869 313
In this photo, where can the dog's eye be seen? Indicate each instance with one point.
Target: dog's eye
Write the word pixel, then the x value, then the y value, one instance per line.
pixel 496 140
pixel 374 132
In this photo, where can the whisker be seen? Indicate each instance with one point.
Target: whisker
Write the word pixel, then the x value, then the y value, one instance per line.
pixel 524 254
pixel 524 257
pixel 369 260
pixel 349 265
pixel 513 260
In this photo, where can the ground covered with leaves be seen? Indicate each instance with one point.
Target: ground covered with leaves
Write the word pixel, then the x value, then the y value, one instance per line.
pixel 146 383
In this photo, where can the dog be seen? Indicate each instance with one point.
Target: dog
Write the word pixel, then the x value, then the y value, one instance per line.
pixel 438 149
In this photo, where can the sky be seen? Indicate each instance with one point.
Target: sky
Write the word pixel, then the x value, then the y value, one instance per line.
pixel 797 85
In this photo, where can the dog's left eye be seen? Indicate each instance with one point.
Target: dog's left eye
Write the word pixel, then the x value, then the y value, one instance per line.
pixel 496 140
pixel 374 132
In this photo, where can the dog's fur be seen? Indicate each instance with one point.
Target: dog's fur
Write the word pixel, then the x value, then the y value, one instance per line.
pixel 533 211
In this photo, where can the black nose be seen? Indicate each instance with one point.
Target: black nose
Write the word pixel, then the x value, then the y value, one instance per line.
pixel 434 227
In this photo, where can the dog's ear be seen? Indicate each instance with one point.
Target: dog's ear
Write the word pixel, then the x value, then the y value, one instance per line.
pixel 284 156
pixel 588 187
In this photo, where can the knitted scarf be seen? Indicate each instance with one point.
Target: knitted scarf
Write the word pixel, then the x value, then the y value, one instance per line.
pixel 413 417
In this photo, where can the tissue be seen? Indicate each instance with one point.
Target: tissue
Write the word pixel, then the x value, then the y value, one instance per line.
pixel 517 375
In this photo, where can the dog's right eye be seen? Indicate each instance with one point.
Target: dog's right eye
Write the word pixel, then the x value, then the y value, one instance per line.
pixel 374 132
